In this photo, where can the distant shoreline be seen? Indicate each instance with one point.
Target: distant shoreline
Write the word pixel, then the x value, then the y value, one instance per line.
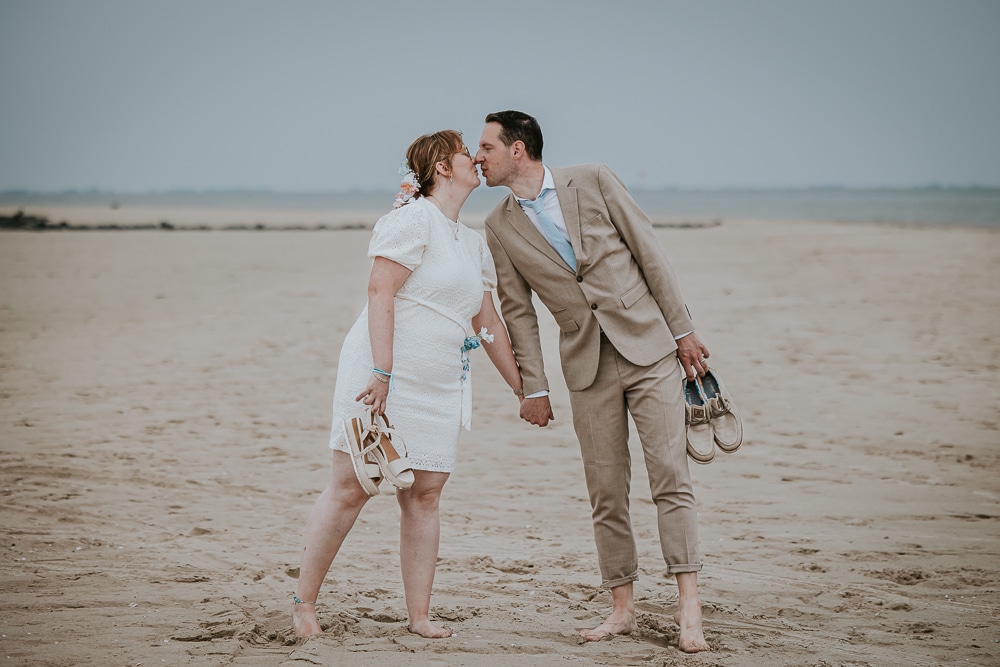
pixel 31 223
pixel 973 207
pixel 26 222
pixel 255 192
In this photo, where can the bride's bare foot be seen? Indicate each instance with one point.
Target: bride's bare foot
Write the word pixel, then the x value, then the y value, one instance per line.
pixel 618 623
pixel 429 630
pixel 304 619
pixel 688 617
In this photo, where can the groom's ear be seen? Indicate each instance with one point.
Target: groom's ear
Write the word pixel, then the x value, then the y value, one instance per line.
pixel 517 148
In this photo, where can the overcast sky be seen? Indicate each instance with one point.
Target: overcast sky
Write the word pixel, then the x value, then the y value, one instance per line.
pixel 135 95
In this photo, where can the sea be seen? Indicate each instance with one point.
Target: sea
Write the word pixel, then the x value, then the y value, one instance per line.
pixel 977 207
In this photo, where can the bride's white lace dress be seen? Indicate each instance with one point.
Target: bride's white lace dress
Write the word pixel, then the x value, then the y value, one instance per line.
pixel 429 401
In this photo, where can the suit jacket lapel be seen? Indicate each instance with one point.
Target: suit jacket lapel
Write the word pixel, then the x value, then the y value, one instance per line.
pixel 570 211
pixel 523 226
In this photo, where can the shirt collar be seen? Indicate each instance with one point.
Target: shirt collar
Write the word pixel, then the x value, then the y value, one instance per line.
pixel 548 183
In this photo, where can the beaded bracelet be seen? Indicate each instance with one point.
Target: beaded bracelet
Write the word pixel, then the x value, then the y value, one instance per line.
pixel 519 392
pixel 384 377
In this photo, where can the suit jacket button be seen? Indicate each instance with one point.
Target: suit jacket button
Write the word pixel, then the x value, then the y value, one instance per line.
pixel 579 279
pixel 593 306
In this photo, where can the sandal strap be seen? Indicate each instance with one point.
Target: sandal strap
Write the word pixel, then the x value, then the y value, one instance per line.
pixel 400 465
pixel 367 449
pixel 396 440
pixel 371 430
pixel 377 431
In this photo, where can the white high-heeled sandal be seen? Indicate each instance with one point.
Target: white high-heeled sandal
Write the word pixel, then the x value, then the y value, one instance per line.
pixel 362 441
pixel 394 464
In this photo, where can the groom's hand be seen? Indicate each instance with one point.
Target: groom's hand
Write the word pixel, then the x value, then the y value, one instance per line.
pixel 537 411
pixel 693 355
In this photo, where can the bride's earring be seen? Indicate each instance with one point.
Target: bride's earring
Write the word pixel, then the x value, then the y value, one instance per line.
pixel 451 181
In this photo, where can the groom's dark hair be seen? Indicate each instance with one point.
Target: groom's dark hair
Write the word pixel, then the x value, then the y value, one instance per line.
pixel 519 126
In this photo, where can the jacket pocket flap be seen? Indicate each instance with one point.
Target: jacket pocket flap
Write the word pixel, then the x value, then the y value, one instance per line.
pixel 565 321
pixel 635 293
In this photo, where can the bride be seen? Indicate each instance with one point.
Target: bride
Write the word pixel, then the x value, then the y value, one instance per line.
pixel 406 361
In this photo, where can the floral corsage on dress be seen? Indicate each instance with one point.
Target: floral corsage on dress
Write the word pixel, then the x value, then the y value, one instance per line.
pixel 471 343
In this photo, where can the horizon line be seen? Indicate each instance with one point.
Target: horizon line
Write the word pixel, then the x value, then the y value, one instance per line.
pixel 379 191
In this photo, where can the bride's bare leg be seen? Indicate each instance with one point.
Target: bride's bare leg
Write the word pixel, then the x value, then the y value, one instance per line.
pixel 330 520
pixel 419 535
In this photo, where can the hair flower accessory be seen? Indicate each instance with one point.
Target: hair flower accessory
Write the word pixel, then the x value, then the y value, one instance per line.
pixel 408 188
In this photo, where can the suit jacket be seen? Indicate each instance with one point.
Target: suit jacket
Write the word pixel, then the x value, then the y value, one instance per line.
pixel 623 283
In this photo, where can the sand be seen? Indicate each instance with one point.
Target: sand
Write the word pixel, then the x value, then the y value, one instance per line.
pixel 166 408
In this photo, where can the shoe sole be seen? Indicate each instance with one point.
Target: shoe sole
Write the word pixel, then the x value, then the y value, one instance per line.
pixel 353 432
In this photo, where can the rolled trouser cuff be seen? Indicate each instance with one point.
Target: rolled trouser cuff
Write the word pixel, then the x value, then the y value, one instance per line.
pixel 681 569
pixel 621 581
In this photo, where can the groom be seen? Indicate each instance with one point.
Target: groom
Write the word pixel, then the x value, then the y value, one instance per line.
pixel 575 238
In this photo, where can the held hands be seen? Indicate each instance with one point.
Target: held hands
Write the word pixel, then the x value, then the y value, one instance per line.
pixel 374 395
pixel 537 411
pixel 693 355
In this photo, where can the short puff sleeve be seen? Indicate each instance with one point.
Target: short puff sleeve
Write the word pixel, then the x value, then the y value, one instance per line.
pixel 401 236
pixel 489 268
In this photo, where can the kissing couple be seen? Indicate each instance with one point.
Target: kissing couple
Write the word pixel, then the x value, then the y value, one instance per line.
pixel 573 238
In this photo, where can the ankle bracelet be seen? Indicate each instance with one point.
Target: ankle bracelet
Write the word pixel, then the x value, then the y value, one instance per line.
pixel 298 601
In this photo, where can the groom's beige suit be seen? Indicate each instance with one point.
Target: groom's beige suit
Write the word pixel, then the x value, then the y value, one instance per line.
pixel 618 316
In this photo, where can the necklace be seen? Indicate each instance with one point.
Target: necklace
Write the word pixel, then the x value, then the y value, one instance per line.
pixel 454 224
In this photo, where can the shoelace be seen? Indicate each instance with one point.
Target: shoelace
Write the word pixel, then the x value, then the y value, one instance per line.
pixel 699 414
pixel 716 406
pixel 719 406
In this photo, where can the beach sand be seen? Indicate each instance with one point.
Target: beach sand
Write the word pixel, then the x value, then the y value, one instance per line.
pixel 165 417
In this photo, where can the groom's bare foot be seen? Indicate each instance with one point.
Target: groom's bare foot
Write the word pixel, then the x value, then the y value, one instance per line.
pixel 429 630
pixel 688 617
pixel 618 623
pixel 304 620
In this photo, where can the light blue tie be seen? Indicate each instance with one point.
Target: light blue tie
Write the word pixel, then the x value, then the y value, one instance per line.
pixel 552 233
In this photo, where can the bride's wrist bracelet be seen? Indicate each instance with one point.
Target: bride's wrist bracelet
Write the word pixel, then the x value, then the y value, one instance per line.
pixel 381 375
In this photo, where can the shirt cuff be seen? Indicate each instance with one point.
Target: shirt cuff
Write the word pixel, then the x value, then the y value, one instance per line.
pixel 538 394
pixel 688 333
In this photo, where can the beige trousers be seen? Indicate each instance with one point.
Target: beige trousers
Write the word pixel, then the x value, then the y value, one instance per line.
pixel 653 396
